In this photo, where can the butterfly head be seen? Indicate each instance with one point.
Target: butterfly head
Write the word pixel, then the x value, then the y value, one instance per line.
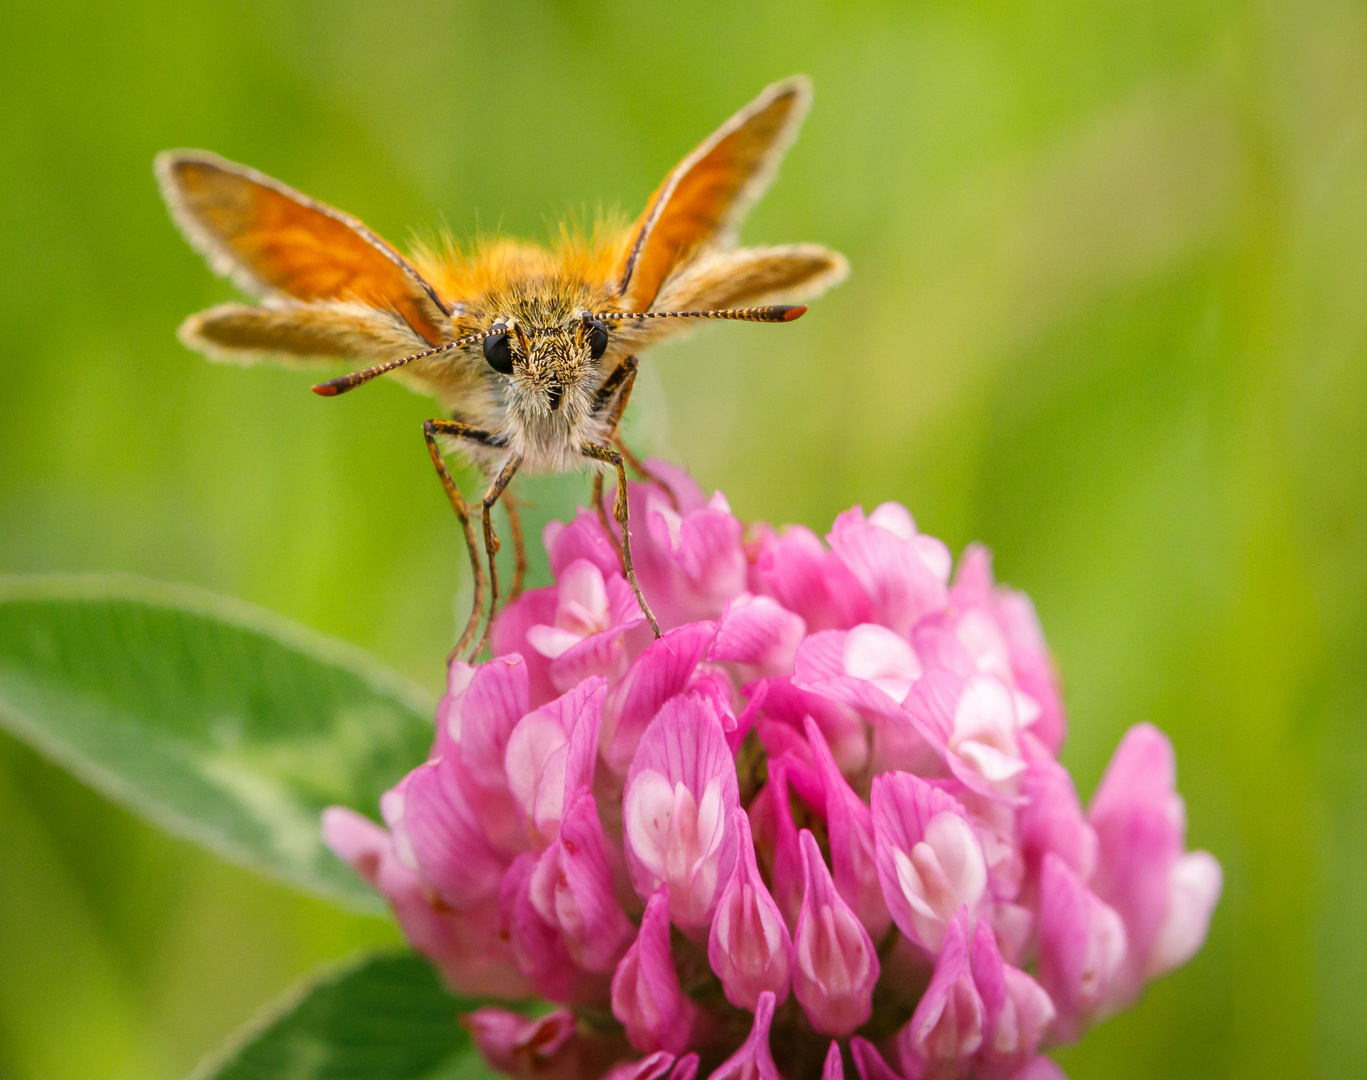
pixel 547 366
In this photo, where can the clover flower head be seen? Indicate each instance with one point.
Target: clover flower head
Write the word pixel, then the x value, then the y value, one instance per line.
pixel 818 826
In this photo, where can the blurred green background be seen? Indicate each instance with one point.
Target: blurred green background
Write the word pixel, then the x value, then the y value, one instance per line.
pixel 1108 313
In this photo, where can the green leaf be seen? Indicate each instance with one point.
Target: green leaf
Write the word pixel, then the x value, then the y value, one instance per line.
pixel 211 718
pixel 383 1017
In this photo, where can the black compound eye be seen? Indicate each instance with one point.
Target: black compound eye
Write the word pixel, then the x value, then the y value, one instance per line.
pixel 598 338
pixel 499 352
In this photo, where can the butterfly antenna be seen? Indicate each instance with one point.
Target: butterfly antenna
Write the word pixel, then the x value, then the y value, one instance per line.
pixel 774 314
pixel 343 383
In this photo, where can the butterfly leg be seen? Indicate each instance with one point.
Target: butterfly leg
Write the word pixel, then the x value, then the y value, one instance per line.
pixel 603 511
pixel 431 429
pixel 640 468
pixel 613 458
pixel 613 396
pixel 519 548
pixel 499 485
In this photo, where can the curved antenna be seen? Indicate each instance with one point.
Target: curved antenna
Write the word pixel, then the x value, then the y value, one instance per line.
pixel 343 383
pixel 774 314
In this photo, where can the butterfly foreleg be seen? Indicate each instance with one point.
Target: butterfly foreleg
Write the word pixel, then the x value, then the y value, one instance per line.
pixel 612 400
pixel 620 510
pixel 460 430
pixel 491 497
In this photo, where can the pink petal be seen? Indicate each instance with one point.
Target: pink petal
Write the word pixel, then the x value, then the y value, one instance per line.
pixel 930 862
pixel 681 789
pixel 797 570
pixel 849 826
pixel 903 578
pixel 947 1026
pixel 571 889
pixel 437 832
pixel 833 1068
pixel 1016 1010
pixel 583 538
pixel 869 1062
pixel 835 967
pixel 464 946
pixel 646 997
pixel 525 1048
pixel 748 946
pixel 537 759
pixel 656 1066
pixel 660 672
pixel 772 815
pixel 1195 882
pixel 1051 818
pixel 1081 948
pixel 1139 823
pixel 753 1061
pixel 824 660
pixel 538 946
pixel 759 635
pixel 495 701
pixel 1038 1068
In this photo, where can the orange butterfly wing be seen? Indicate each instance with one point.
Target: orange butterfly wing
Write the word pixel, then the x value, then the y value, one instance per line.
pixel 271 239
pixel 702 201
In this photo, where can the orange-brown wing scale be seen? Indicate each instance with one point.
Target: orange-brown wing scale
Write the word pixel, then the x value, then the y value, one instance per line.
pixel 271 239
pixel 702 200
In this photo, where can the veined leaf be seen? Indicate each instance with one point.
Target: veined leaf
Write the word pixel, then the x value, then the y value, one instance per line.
pixel 209 717
pixel 382 1017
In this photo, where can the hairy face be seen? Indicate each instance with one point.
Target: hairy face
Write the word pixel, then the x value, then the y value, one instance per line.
pixel 549 348
pixel 548 363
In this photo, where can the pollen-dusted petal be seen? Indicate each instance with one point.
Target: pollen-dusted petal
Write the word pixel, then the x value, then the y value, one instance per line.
pixel 681 789
pixel 930 862
pixel 748 946
pixel 754 1060
pixel 835 966
pixel 646 997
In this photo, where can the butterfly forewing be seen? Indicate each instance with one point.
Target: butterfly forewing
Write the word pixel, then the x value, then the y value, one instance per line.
pixel 272 240
pixel 702 201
